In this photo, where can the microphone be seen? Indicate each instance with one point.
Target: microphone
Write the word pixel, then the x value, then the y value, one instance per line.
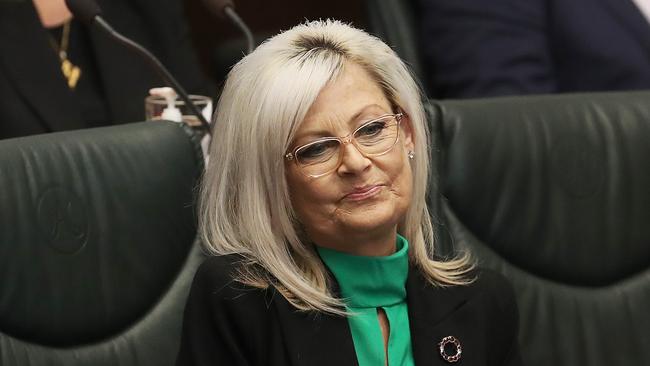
pixel 226 9
pixel 89 12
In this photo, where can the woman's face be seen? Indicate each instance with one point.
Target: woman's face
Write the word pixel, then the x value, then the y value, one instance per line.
pixel 361 202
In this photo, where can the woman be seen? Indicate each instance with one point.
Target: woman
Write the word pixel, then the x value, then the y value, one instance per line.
pixel 313 207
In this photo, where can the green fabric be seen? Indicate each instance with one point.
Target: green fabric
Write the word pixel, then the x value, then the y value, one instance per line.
pixel 369 283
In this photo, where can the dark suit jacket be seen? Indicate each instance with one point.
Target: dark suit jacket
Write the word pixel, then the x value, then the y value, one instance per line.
pixel 480 48
pixel 227 323
pixel 33 95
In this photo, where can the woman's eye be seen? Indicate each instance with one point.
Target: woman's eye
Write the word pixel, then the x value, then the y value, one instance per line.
pixel 371 129
pixel 317 151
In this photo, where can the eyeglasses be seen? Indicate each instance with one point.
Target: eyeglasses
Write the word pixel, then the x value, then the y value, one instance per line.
pixel 323 156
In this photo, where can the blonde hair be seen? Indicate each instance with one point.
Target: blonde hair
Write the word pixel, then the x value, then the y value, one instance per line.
pixel 245 207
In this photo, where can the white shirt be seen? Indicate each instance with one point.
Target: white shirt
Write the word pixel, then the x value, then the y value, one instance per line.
pixel 644 6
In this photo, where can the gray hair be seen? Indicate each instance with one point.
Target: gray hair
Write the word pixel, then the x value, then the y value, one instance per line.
pixel 245 207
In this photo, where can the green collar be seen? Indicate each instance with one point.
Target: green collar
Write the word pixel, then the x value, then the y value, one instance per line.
pixel 369 281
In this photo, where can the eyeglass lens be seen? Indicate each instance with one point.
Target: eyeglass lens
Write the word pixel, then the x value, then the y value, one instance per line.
pixel 372 138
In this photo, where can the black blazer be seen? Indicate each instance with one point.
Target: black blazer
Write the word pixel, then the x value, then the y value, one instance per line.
pixel 478 48
pixel 34 97
pixel 227 323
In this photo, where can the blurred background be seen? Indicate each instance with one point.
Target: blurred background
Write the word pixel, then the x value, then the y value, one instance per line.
pixel 540 120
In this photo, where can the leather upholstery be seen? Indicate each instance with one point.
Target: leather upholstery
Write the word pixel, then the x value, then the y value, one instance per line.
pixel 554 192
pixel 97 244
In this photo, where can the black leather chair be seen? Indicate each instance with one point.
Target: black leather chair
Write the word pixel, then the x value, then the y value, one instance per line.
pixel 97 245
pixel 554 192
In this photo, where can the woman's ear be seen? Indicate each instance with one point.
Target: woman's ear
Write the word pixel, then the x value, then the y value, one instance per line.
pixel 407 132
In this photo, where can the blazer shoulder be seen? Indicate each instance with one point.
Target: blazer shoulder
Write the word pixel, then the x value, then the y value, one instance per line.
pixel 217 280
pixel 490 280
pixel 495 287
pixel 218 268
pixel 225 321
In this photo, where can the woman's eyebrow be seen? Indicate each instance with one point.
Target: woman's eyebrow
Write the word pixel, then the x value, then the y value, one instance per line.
pixel 325 133
pixel 364 110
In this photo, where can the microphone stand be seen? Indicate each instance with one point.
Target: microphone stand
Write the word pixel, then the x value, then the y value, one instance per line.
pixel 160 68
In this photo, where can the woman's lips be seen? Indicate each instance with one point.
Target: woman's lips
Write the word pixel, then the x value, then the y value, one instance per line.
pixel 363 193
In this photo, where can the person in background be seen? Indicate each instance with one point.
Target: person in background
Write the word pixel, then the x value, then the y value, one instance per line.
pixel 477 48
pixel 313 210
pixel 57 74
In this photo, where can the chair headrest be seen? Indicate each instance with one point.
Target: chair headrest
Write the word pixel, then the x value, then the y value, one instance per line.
pixel 558 185
pixel 94 226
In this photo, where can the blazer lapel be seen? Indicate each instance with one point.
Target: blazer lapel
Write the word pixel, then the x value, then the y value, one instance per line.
pixel 316 339
pixel 32 66
pixel 438 312
pixel 631 18
pixel 434 313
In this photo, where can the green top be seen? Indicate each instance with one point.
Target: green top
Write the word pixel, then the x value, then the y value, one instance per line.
pixel 369 283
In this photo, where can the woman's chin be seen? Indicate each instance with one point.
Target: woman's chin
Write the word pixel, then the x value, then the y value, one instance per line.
pixel 371 219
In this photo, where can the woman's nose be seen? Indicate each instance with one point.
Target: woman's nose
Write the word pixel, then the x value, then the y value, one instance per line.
pixel 352 160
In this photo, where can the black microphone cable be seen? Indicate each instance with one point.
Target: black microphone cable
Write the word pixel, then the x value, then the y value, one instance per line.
pixel 250 41
pixel 89 12
pixel 226 9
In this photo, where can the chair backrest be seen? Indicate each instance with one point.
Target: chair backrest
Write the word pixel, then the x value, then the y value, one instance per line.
pixel 97 244
pixel 554 191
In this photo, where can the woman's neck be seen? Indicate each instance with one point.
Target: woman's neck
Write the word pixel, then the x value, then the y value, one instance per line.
pixel 52 13
pixel 365 244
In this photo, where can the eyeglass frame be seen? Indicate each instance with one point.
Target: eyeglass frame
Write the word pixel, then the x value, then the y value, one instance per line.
pixel 344 140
